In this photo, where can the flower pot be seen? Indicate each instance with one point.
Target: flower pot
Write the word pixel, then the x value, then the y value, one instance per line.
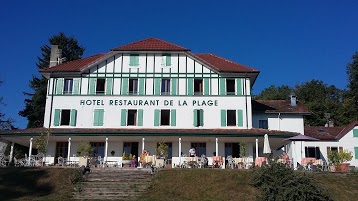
pixel 126 163
pixel 343 167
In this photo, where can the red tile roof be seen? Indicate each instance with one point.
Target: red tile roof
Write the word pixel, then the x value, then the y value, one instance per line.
pixel 222 64
pixel 151 44
pixel 278 106
pixel 76 65
pixel 329 133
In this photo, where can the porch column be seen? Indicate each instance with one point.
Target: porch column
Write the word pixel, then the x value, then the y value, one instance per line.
pixel 143 143
pixel 69 150
pixel 257 148
pixel 30 150
pixel 106 150
pixel 217 147
pixel 179 151
pixel 11 151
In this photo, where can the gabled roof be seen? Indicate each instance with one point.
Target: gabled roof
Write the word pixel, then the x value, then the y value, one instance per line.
pixel 224 65
pixel 329 133
pixel 76 65
pixel 150 44
pixel 278 106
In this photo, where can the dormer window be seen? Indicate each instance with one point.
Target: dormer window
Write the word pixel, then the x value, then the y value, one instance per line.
pixel 166 60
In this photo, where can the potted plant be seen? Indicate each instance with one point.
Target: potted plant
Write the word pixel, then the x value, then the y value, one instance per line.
pixel 126 159
pixel 340 159
pixel 162 150
pixel 41 146
pixel 84 150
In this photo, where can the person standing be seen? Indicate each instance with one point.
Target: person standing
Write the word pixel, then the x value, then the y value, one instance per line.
pixel 192 152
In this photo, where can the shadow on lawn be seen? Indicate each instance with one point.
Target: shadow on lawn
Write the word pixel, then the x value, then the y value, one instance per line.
pixel 20 182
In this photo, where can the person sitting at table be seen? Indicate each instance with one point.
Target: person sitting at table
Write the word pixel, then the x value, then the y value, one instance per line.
pixel 286 158
pixel 192 152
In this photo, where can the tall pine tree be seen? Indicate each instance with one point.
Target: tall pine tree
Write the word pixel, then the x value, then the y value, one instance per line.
pixel 351 97
pixel 35 103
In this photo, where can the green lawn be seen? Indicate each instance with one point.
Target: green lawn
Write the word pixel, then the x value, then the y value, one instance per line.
pixel 168 184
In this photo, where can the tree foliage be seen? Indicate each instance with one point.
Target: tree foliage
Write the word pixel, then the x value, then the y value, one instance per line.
pixel 275 93
pixel 277 182
pixel 351 97
pixel 35 103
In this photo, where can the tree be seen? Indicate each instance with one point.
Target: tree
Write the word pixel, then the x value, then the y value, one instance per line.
pixel 5 123
pixel 351 97
pixel 35 103
pixel 275 93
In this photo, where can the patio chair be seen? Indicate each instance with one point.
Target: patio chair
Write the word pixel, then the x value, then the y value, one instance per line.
pixel 230 162
pixel 61 161
pixel 19 162
pixel 203 161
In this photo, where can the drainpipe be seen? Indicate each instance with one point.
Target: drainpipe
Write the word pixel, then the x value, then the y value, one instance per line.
pixel 179 151
pixel 217 146
pixel 69 150
pixel 245 93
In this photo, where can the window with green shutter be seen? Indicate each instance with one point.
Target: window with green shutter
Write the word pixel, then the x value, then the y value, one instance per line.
pixel 173 118
pixel 239 86
pixel 174 86
pixel 190 87
pixel 109 82
pixel 356 152
pixel 59 86
pixel 355 132
pixel 56 121
pixel 140 117
pixel 92 86
pixel 157 86
pixel 240 118
pixel 141 86
pixel 123 117
pixel 73 117
pixel 222 89
pixel 198 117
pixel 76 86
pixel 98 117
pixel 223 118
pixel 156 117
pixel 124 86
pixel 134 60
pixel 166 60
pixel 68 86
pixel 206 86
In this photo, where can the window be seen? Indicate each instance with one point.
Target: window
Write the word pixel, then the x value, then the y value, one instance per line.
pixel 200 148
pixel 61 150
pixel 132 118
pixel 166 60
pixel 98 117
pixel 65 117
pixel 130 148
pixel 133 86
pixel 263 124
pixel 198 118
pixel 165 118
pixel 198 86
pixel 232 149
pixel 231 118
pixel 97 148
pixel 313 152
pixel 165 87
pixel 230 86
pixel 68 86
pixel 134 60
pixel 100 86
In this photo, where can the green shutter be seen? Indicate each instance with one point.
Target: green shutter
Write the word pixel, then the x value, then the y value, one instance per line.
pixel 56 121
pixel 174 86
pixel 222 87
pixel 109 82
pixel 141 86
pixel 156 117
pixel 92 86
pixel 190 86
pixel 173 117
pixel 140 117
pixel 238 86
pixel 239 118
pixel 134 59
pixel 123 117
pixel 98 117
pixel 76 85
pixel 355 132
pixel 201 117
pixel 124 86
pixel 59 87
pixel 223 118
pixel 168 60
pixel 195 118
pixel 206 86
pixel 73 117
pixel 356 152
pixel 156 86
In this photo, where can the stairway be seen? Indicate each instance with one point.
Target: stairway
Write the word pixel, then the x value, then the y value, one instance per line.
pixel 113 184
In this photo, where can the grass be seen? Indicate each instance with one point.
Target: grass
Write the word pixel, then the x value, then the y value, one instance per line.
pixel 168 184
pixel 35 184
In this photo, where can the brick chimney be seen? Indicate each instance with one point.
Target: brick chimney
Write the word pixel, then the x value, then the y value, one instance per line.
pixel 293 99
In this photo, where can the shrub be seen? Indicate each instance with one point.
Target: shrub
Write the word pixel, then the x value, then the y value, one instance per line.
pixel 279 183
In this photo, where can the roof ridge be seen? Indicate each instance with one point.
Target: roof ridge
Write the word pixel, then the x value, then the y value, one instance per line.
pixel 76 60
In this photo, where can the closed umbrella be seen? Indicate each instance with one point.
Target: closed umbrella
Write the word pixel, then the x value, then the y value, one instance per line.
pixel 267 149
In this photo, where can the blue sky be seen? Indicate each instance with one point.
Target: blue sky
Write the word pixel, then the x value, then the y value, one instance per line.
pixel 289 42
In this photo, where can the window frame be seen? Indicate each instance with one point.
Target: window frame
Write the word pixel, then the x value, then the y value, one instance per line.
pixel 68 86
pixel 101 83
pixel 230 84
pixel 132 117
pixel 263 123
pixel 65 117
pixel 133 86
pixel 198 148
pixel 165 86
pixel 199 86
pixel 231 118
pixel 163 114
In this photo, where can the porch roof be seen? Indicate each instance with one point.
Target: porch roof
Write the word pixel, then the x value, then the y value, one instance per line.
pixel 253 132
